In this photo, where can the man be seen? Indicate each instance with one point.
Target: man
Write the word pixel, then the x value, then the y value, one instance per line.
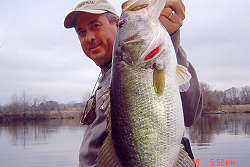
pixel 96 24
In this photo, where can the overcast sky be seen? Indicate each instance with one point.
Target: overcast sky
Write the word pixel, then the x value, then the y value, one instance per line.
pixel 39 56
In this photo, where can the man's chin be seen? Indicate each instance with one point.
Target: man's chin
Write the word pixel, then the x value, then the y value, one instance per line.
pixel 105 64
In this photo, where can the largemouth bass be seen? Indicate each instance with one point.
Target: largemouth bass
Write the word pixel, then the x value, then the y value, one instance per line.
pixel 147 124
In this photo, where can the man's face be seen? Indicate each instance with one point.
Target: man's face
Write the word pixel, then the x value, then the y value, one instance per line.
pixel 96 36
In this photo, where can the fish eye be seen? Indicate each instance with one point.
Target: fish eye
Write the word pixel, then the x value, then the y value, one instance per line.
pixel 121 23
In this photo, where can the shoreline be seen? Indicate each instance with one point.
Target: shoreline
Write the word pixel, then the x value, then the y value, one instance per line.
pixel 227 109
pixel 76 113
pixel 39 116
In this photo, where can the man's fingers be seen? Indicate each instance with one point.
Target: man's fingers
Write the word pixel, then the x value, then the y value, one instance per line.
pixel 170 23
pixel 178 7
pixel 172 15
pixel 183 6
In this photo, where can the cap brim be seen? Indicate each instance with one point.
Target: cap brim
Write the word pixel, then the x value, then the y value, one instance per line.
pixel 70 19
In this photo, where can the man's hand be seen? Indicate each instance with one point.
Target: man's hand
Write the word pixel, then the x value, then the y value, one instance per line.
pixel 172 15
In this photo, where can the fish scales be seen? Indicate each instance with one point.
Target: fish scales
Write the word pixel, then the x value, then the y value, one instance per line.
pixel 147 121
pixel 150 126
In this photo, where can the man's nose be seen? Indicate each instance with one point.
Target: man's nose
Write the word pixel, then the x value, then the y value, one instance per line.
pixel 89 36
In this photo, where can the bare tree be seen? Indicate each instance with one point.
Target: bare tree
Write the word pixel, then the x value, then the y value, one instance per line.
pixel 210 103
pixel 232 96
pixel 25 102
pixel 219 95
pixel 37 101
pixel 14 105
pixel 245 95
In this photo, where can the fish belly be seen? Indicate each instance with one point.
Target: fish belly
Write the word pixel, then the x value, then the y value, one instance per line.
pixel 146 128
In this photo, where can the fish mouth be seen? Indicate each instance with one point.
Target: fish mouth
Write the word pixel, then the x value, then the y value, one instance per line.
pixel 134 5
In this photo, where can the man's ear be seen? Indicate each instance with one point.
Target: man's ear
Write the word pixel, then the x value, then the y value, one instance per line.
pixel 116 22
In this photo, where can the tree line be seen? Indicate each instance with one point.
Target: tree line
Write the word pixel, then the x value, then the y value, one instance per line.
pixel 37 107
pixel 213 99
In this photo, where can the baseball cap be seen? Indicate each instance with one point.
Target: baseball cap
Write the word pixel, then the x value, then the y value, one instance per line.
pixel 88 6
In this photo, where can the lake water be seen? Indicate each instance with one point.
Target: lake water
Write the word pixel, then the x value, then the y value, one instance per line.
pixel 217 140
pixel 221 140
pixel 44 144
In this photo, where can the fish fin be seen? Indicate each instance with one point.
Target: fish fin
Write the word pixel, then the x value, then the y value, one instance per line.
pixel 107 156
pixel 159 81
pixel 183 159
pixel 155 9
pixel 183 78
